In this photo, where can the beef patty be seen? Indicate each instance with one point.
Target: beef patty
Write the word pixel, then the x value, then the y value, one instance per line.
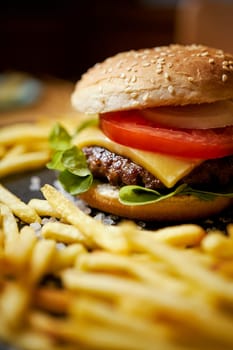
pixel 118 170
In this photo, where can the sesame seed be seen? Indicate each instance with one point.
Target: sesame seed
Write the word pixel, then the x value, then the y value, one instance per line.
pixel 134 79
pixel 211 60
pixel 145 96
pixel 146 64
pixel 226 68
pixel 122 75
pixel 205 53
pixel 161 60
pixel 119 64
pixel 224 78
pixel 134 94
pixel 166 76
pixel 159 71
pixel 170 89
pixel 190 79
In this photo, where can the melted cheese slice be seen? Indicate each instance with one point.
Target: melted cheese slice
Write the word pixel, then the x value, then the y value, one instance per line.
pixel 169 170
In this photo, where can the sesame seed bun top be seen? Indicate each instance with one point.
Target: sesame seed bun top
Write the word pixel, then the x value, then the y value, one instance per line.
pixel 160 76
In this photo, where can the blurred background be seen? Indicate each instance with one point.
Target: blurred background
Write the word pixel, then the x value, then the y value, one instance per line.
pixel 63 38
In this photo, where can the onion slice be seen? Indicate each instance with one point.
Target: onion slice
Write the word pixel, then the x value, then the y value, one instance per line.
pixel 200 116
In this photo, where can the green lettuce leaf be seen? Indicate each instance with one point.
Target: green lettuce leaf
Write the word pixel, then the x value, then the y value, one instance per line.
pixel 75 184
pixel 59 138
pixel 56 161
pixel 70 161
pixel 137 195
pixel 74 160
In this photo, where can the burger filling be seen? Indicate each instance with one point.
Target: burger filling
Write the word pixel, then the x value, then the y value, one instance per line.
pixel 142 177
pixel 120 171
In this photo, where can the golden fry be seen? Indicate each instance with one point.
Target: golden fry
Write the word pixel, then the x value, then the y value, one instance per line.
pixel 111 238
pixel 14 152
pixel 13 304
pixel 63 233
pixel 186 235
pixel 10 227
pixel 19 208
pixel 20 162
pixel 113 287
pixel 218 245
pixel 42 257
pixel 43 208
pixel 23 133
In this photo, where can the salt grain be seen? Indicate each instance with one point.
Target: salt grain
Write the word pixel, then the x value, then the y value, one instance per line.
pixel 35 183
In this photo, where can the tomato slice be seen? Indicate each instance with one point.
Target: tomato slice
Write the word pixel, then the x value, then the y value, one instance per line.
pixel 131 129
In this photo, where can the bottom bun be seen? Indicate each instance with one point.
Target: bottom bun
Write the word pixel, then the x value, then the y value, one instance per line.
pixel 178 208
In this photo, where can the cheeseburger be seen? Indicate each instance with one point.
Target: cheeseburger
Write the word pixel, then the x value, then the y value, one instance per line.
pixel 162 146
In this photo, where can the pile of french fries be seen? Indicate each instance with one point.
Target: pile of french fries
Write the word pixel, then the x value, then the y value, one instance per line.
pixel 69 281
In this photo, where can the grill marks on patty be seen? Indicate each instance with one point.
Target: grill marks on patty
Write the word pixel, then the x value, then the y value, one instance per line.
pixel 119 171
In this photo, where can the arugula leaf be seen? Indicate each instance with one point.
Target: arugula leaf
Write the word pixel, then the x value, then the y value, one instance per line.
pixel 74 160
pixel 137 195
pixel 59 138
pixel 56 161
pixel 75 184
pixel 70 161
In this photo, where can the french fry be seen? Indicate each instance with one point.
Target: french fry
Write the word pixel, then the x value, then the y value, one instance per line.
pixel 3 151
pixel 111 238
pixel 113 263
pixel 19 250
pixel 43 208
pixel 53 300
pixel 10 227
pixel 28 338
pixel 230 230
pixel 20 162
pixel 13 304
pixel 18 207
pixel 64 233
pixel 42 257
pixel 67 256
pixel 23 133
pixel 110 287
pixel 186 235
pixel 187 267
pixel 218 245
pixel 14 152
